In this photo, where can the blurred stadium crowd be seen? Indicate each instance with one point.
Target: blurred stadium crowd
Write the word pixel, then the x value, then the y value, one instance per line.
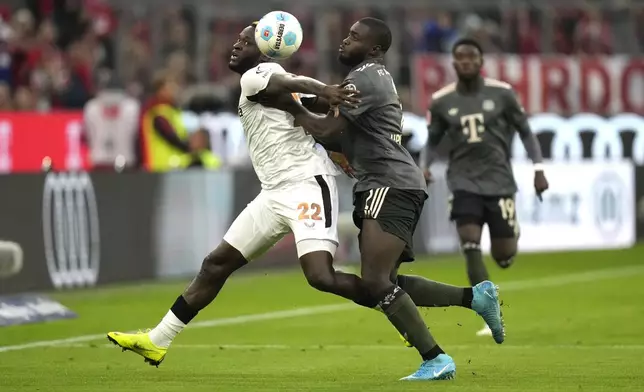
pixel 54 53
pixel 58 54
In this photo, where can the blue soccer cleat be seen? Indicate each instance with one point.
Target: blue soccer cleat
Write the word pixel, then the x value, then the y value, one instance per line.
pixel 440 368
pixel 485 302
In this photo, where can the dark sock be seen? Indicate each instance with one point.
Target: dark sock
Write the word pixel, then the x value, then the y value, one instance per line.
pixel 433 353
pixel 183 311
pixel 468 296
pixel 428 293
pixel 476 270
pixel 404 315
pixel 367 302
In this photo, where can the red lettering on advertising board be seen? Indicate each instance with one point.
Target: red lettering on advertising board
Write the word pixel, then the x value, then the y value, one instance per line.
pixel 549 84
pixel 518 79
pixel 633 70
pixel 27 138
pixel 590 102
pixel 555 80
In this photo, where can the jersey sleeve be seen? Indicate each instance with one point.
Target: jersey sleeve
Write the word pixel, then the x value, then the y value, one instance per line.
pixel 516 114
pixel 368 96
pixel 256 79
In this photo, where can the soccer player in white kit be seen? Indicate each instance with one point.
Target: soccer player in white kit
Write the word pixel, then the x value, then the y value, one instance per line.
pixel 298 195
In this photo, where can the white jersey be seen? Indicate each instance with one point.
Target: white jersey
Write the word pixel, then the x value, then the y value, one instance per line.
pixel 226 137
pixel 280 152
pixel 112 123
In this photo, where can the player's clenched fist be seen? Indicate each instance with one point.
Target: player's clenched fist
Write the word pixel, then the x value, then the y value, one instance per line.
pixel 342 94
pixel 540 182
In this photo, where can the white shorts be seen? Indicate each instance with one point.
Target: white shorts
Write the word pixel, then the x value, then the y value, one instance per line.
pixel 309 209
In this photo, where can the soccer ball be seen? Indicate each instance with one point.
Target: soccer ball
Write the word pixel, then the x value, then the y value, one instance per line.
pixel 278 35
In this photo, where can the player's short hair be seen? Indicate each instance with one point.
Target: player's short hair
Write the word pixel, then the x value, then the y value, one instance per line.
pixel 467 41
pixel 382 33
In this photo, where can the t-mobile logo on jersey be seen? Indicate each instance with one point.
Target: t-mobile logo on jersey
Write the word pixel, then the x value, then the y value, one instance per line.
pixel 5 146
pixel 473 127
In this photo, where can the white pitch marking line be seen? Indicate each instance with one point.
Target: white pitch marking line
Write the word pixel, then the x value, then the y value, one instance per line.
pixel 282 314
pixel 562 280
pixel 243 347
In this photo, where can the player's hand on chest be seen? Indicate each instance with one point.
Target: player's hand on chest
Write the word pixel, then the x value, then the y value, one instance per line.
pixel 472 119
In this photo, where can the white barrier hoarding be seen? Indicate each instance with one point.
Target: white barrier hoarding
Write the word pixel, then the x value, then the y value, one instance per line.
pixel 590 205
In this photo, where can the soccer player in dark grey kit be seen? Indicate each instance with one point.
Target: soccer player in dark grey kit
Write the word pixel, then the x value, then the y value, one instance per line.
pixel 389 195
pixel 479 117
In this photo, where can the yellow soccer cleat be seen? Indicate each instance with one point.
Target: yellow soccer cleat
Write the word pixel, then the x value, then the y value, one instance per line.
pixel 405 341
pixel 139 343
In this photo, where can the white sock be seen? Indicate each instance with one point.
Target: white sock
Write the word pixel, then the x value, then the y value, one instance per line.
pixel 164 333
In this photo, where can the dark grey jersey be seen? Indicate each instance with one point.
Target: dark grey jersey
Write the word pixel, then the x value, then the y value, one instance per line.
pixel 479 128
pixel 372 142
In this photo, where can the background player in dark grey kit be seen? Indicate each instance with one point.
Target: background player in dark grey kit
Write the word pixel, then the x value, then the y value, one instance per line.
pixel 479 117
pixel 389 194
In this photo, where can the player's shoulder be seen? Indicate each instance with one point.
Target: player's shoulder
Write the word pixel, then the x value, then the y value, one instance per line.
pixel 364 73
pixel 444 92
pixel 261 70
pixel 264 67
pixel 498 86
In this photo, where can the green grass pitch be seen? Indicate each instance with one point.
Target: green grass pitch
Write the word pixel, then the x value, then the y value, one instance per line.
pixel 575 322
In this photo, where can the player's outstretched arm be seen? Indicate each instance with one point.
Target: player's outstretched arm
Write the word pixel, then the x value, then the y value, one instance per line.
pixel 315 104
pixel 281 83
pixel 324 128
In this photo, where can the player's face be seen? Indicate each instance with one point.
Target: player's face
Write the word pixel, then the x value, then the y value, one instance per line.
pixel 245 53
pixel 355 48
pixel 467 61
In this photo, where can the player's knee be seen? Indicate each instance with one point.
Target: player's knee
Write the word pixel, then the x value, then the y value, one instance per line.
pixel 504 257
pixel 321 281
pixel 469 236
pixel 470 246
pixel 376 284
pixel 218 264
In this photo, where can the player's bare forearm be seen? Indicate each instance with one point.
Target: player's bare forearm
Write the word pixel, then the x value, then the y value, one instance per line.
pixel 324 128
pixel 532 146
pixel 316 104
pixel 289 83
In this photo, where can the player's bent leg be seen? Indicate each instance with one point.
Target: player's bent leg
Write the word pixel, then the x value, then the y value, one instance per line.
pixel 485 300
pixel 428 293
pixel 316 237
pixel 503 251
pixel 504 229
pixel 215 269
pixel 469 232
pixel 380 253
pixel 255 230
pixel 316 258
